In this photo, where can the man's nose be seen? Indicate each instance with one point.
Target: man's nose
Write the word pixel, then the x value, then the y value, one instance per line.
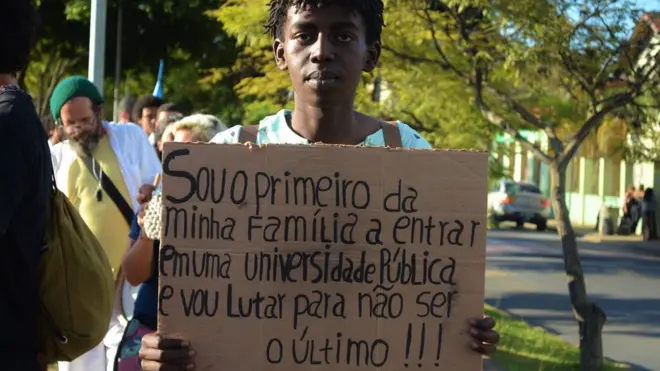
pixel 322 50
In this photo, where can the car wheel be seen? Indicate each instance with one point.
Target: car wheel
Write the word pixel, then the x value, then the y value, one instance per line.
pixel 542 226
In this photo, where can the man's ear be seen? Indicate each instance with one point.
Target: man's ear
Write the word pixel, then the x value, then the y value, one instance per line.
pixel 278 51
pixel 373 55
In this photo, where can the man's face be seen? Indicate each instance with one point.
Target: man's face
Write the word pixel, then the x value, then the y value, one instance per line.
pixel 81 124
pixel 148 119
pixel 162 116
pixel 167 137
pixel 325 51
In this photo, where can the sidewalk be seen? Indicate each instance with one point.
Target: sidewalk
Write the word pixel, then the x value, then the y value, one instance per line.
pixel 580 230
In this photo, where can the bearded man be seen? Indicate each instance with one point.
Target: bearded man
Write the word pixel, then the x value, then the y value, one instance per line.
pixel 101 167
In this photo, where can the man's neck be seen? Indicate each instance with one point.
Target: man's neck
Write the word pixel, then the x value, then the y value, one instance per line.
pixel 7 79
pixel 333 126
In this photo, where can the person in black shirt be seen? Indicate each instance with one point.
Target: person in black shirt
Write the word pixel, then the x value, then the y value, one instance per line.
pixel 24 191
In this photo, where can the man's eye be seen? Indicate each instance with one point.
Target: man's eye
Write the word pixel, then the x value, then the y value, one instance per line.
pixel 302 37
pixel 345 38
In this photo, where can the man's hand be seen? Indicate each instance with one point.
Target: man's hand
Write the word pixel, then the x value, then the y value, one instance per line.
pixel 144 193
pixel 159 354
pixel 485 339
pixel 144 196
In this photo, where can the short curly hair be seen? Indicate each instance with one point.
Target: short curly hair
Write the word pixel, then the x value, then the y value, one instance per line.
pixel 370 10
pixel 147 101
pixel 20 22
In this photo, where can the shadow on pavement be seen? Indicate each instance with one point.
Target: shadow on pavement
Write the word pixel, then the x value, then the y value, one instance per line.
pixel 544 262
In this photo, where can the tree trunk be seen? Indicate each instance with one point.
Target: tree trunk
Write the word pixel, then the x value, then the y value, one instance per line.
pixel 589 316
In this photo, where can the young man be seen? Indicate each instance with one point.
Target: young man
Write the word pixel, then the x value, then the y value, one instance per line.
pixel 24 190
pixel 325 49
pixel 145 112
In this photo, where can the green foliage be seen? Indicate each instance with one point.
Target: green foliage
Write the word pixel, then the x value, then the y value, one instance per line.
pixel 179 31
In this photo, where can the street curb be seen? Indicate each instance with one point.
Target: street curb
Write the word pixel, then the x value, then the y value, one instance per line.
pixel 553 332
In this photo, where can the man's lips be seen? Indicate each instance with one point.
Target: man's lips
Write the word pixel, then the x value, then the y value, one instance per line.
pixel 322 76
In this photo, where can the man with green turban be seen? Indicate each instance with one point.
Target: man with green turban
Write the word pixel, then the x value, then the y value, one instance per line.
pixel 101 168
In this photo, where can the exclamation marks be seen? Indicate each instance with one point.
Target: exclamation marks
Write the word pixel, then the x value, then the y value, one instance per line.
pixel 408 343
pixel 437 352
pixel 422 341
pixel 422 345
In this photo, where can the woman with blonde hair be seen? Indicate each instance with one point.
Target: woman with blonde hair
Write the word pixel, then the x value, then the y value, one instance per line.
pixel 197 128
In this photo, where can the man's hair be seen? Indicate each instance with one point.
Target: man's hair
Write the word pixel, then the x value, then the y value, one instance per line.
pixel 148 101
pixel 169 107
pixel 127 104
pixel 19 20
pixel 171 118
pixel 370 10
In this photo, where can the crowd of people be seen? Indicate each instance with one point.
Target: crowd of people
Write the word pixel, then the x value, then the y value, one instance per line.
pixel 109 171
pixel 639 204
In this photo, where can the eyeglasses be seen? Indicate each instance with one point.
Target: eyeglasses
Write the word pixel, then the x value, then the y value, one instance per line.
pixel 80 125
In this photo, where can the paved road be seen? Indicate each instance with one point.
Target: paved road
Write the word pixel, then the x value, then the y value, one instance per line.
pixel 525 277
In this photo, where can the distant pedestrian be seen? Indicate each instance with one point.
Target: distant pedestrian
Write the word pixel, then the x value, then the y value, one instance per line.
pixel 649 220
pixel 126 110
pixel 165 110
pixel 163 133
pixel 630 211
pixel 145 114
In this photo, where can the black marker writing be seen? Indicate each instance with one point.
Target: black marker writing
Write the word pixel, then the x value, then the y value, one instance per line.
pixel 256 305
pixel 296 228
pixel 340 350
pixel 184 224
pixel 196 263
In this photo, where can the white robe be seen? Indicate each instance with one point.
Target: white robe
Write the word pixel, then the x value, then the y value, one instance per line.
pixel 139 165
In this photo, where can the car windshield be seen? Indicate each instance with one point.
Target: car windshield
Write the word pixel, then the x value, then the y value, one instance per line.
pixel 511 187
pixel 529 188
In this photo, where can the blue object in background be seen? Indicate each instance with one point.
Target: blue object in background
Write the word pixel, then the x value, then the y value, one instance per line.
pixel 158 90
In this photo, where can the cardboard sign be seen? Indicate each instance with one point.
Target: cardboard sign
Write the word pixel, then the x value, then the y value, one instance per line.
pixel 323 257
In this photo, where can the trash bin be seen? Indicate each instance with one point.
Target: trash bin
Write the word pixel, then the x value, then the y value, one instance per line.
pixel 608 217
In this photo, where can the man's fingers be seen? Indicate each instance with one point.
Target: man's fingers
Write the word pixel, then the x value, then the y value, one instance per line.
pixel 170 356
pixel 487 323
pixel 146 188
pixel 156 366
pixel 155 341
pixel 488 336
pixel 485 349
pixel 143 198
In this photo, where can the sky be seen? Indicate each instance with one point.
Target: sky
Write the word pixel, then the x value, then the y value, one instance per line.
pixel 649 4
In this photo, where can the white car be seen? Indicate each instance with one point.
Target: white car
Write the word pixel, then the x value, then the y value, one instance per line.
pixel 518 202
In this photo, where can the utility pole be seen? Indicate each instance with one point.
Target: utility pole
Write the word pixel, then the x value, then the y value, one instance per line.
pixel 120 11
pixel 97 43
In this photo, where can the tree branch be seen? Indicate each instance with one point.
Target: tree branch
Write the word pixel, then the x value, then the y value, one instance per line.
pixel 506 98
pixel 414 59
pixel 500 122
pixel 416 123
pixel 575 143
